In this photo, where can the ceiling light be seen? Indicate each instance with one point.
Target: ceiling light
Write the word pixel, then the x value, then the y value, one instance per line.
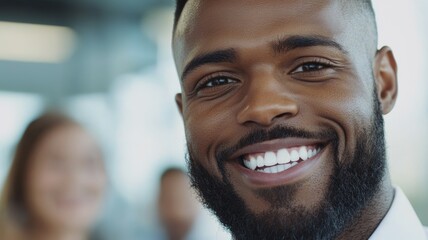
pixel 35 43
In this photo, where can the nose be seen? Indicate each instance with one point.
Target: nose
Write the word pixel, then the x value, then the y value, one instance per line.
pixel 267 100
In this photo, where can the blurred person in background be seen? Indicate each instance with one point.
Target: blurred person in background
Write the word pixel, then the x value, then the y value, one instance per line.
pixel 177 205
pixel 180 213
pixel 56 183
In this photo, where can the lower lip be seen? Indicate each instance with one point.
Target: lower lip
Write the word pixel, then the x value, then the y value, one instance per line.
pixel 289 176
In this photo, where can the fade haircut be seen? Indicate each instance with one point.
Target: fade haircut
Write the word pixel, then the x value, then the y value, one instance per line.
pixel 179 6
pixel 363 8
pixel 360 11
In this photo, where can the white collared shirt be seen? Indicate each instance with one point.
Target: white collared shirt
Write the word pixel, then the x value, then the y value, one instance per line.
pixel 400 222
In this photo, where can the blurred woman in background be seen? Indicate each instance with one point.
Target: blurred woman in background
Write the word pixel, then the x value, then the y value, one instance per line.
pixel 56 183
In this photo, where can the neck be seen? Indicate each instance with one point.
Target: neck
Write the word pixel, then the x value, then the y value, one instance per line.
pixel 371 216
pixel 45 233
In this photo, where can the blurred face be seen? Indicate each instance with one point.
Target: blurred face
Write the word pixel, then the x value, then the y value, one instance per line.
pixel 66 180
pixel 283 120
pixel 178 207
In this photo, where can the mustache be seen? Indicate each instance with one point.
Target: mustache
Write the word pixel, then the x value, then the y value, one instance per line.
pixel 263 135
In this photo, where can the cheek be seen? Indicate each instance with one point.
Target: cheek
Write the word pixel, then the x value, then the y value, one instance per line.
pixel 50 191
pixel 42 186
pixel 42 183
pixel 347 108
pixel 96 183
pixel 91 184
pixel 208 126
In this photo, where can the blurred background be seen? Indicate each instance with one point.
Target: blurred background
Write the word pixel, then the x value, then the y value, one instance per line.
pixel 109 65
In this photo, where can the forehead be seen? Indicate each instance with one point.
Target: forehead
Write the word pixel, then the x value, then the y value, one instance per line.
pixel 211 25
pixel 68 138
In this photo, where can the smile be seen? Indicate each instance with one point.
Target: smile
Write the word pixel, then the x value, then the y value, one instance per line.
pixel 280 160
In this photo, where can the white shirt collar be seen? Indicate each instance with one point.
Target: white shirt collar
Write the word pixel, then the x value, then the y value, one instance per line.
pixel 400 222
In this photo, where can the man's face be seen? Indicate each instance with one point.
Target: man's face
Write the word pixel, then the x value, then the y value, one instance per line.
pixel 278 106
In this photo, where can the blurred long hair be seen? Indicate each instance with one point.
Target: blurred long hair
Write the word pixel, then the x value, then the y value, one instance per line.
pixel 13 212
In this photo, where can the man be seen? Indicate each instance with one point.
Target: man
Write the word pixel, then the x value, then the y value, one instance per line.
pixel 180 213
pixel 177 205
pixel 282 103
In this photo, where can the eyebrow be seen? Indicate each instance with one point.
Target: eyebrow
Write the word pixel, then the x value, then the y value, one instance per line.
pixel 280 46
pixel 220 56
pixel 290 43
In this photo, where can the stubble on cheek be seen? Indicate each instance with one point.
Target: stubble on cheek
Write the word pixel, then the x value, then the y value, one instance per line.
pixel 204 136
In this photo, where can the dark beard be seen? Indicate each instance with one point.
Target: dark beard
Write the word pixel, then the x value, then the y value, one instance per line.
pixel 353 184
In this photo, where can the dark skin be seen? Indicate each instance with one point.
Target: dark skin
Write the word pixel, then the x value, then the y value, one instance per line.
pixel 264 73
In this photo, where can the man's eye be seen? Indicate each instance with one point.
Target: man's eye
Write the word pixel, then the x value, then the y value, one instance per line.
pixel 214 84
pixel 310 67
pixel 218 81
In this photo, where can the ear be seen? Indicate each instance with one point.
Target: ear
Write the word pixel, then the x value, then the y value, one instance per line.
pixel 385 73
pixel 179 102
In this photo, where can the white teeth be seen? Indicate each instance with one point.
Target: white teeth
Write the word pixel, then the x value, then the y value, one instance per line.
pixel 287 166
pixel 294 156
pixel 310 153
pixel 282 160
pixel 270 159
pixel 283 156
pixel 278 168
pixel 253 163
pixel 303 152
pixel 313 152
pixel 274 169
pixel 247 164
pixel 260 161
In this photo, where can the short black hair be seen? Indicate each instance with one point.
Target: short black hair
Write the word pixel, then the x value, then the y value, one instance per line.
pixel 364 5
pixel 179 6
